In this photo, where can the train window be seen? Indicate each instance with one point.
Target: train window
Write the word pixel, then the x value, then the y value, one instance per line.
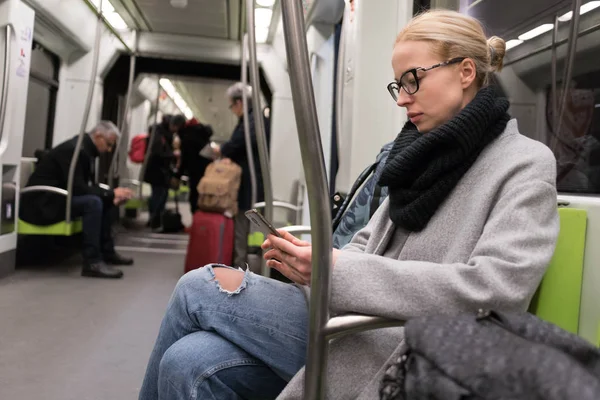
pixel 576 140
pixel 41 100
pixel 526 80
pixel 421 5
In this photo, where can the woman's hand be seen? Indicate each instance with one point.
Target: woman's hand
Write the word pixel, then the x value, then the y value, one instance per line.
pixel 290 256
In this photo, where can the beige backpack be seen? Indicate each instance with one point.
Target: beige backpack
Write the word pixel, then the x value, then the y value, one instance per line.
pixel 218 189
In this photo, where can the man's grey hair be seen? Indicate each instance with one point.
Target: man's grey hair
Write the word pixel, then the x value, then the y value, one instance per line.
pixel 238 90
pixel 106 128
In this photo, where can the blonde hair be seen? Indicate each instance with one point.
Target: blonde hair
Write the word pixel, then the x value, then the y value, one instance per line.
pixel 452 34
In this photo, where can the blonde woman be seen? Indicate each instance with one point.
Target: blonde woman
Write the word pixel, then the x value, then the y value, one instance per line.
pixel 471 222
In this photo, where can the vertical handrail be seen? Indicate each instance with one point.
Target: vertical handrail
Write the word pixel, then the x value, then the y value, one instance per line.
pixel 318 194
pixel 339 85
pixel 6 79
pixel 150 140
pixel 114 167
pixel 572 48
pixel 249 152
pixel 86 113
pixel 259 122
pixel 553 74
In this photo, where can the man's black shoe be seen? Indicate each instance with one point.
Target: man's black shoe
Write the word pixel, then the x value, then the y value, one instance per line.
pixel 100 270
pixel 117 259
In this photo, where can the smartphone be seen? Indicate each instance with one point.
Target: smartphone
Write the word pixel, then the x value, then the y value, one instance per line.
pixel 261 223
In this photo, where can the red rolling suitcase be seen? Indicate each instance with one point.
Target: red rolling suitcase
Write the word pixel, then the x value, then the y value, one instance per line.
pixel 211 240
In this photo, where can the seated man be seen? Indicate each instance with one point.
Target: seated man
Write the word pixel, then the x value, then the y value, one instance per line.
pixel 90 201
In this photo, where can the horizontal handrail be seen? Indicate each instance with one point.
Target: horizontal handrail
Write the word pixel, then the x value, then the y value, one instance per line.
pixel 353 323
pixel 297 229
pixel 135 182
pixel 44 188
pixel 279 204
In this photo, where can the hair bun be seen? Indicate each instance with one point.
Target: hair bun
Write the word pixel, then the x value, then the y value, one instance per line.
pixel 497 50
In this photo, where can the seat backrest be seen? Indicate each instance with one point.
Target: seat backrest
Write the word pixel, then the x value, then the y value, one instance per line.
pixel 558 297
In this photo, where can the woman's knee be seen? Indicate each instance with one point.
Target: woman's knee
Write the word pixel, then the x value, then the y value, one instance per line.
pixel 221 277
pixel 194 360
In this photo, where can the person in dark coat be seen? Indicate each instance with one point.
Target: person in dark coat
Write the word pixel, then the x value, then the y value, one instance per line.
pixel 194 137
pixel 235 149
pixel 90 202
pixel 161 166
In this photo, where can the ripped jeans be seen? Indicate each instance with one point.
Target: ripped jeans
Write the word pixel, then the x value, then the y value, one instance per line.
pixel 215 344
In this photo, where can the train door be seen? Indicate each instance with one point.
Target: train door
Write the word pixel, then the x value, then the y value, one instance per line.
pixel 41 100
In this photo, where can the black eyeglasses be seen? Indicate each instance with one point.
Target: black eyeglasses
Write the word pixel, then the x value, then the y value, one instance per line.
pixel 409 81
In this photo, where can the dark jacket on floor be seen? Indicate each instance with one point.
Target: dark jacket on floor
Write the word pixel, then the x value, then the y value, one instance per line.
pixel 235 149
pixel 43 208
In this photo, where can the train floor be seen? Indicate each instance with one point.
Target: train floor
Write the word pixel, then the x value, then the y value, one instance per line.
pixel 65 337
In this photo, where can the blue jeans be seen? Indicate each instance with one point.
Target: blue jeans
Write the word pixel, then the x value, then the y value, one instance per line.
pixel 97 234
pixel 215 344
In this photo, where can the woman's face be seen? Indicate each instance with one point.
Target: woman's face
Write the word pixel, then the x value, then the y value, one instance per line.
pixel 442 91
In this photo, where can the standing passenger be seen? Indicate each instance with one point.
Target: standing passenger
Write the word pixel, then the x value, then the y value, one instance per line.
pixel 161 164
pixel 235 149
pixel 194 137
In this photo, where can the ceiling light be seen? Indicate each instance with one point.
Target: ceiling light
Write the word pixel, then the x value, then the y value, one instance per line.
pixel 176 98
pixel 262 17
pixel 582 10
pixel 513 43
pixel 536 31
pixel 179 3
pixel 106 6
pixel 116 21
pixel 265 3
pixel 261 34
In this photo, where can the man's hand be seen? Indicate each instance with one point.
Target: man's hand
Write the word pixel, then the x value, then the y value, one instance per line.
pixel 216 150
pixel 122 195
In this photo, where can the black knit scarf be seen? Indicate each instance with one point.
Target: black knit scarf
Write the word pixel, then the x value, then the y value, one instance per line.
pixel 422 169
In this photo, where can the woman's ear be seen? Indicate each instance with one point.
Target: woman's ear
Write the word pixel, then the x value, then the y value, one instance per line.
pixel 468 72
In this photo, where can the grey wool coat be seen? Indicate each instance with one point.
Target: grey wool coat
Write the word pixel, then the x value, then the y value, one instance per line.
pixel 487 246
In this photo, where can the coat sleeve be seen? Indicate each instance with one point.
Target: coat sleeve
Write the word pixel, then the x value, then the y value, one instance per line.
pixel 503 271
pixel 235 147
pixel 81 186
pixel 157 149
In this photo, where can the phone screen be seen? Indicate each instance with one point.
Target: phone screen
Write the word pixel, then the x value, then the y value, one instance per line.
pixel 260 222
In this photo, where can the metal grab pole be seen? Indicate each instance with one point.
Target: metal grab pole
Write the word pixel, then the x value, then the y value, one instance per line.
pixel 339 85
pixel 125 122
pixel 318 193
pixel 572 48
pixel 259 122
pixel 6 78
pixel 88 106
pixel 553 93
pixel 150 140
pixel 249 152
